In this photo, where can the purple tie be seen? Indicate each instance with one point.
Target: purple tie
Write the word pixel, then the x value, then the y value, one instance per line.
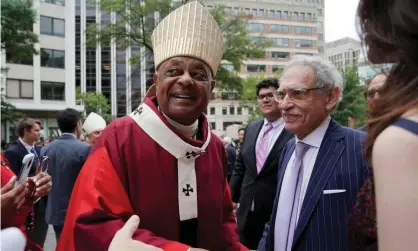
pixel 262 147
pixel 287 209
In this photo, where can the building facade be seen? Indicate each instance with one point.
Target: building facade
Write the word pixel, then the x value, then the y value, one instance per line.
pixel 294 27
pixel 344 52
pixel 46 84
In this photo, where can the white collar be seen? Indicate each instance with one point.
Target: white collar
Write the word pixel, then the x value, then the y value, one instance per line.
pixel 26 145
pixel 188 131
pixel 316 136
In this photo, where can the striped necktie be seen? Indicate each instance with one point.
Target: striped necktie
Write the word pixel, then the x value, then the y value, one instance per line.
pixel 262 147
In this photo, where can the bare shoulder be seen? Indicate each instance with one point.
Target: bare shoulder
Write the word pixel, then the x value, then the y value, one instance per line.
pixel 395 144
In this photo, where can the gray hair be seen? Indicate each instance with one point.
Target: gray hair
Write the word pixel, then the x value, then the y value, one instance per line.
pixel 326 74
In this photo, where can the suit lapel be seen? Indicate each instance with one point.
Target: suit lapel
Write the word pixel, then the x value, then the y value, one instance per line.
pixel 329 152
pixel 277 147
pixel 253 134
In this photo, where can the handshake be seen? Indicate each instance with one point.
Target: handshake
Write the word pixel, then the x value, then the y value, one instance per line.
pixel 122 241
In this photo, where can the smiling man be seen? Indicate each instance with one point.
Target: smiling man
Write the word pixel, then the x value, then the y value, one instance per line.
pixel 162 162
pixel 321 169
pixel 254 180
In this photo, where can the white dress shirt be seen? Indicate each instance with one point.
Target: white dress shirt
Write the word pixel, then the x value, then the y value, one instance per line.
pixel 314 139
pixel 27 146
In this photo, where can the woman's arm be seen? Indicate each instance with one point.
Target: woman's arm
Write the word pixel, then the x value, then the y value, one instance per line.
pixel 395 165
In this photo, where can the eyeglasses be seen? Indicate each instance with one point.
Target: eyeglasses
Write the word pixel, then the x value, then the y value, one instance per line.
pixel 269 96
pixel 296 94
pixel 370 94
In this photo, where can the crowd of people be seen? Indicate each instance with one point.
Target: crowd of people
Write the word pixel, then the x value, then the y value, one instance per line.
pixel 159 179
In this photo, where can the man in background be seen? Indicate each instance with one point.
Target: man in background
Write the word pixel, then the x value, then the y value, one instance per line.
pixel 254 180
pixel 93 127
pixel 67 155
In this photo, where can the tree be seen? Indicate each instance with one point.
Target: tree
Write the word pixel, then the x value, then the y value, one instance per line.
pixel 95 102
pixel 138 16
pixel 353 104
pixel 18 41
pixel 17 37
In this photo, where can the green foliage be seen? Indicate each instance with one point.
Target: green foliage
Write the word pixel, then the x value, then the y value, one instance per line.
pixel 138 15
pixel 249 98
pixel 9 112
pixel 353 104
pixel 95 102
pixel 17 38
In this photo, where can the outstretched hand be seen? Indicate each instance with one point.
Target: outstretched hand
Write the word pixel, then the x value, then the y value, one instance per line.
pixel 122 241
pixel 12 198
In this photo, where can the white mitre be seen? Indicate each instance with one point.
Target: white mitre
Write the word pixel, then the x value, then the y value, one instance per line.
pixel 93 122
pixel 189 31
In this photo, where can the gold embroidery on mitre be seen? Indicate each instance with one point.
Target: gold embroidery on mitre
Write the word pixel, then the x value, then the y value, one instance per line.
pixel 190 30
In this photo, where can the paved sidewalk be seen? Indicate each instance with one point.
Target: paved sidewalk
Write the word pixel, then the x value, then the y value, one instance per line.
pixel 50 243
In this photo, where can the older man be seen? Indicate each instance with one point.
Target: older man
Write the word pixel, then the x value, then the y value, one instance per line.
pixel 161 162
pixel 93 127
pixel 321 170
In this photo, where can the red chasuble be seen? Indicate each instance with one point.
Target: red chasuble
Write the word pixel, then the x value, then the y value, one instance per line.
pixel 166 183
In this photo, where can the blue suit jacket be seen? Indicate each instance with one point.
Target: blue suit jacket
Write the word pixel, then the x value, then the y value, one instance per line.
pixel 322 221
pixel 67 155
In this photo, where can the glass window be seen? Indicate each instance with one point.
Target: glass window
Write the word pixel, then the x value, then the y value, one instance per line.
pixel 52 91
pixel 256 68
pixel 213 125
pixel 303 43
pixel 224 110
pixel 271 13
pixel 13 88
pixel 16 88
pixel 52 58
pixel 280 42
pixel 255 27
pixel 231 110
pixel 261 12
pixel 303 30
pixel 239 110
pixel 280 54
pixel 320 37
pixel 276 68
pixel 59 27
pixel 279 28
pixel 254 12
pixel 285 14
pixel 52 26
pixel 212 111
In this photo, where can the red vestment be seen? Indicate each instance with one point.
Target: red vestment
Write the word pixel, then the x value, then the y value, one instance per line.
pixel 129 173
pixel 19 219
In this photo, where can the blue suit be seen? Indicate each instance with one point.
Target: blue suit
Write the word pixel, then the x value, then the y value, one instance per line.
pixel 322 224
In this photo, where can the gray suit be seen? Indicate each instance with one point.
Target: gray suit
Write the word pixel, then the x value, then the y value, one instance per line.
pixel 67 155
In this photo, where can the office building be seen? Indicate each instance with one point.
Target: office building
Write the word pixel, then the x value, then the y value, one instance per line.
pixel 344 52
pixel 45 84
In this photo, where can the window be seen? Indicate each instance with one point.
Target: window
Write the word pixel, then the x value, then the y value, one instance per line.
pixel 58 2
pixel 231 110
pixel 229 96
pixel 304 54
pixel 276 68
pixel 280 54
pixel 303 30
pixel 212 111
pixel 319 13
pixel 278 14
pixel 285 14
pixel 236 10
pixel 254 12
pixel 256 40
pixel 261 12
pixel 224 110
pixel 52 26
pixel 256 68
pixel 17 88
pixel 52 91
pixel 255 27
pixel 320 37
pixel 271 13
pixel 279 28
pixel 308 16
pixel 303 43
pixel 213 125
pixel 239 110
pixel 280 42
pixel 52 58
pixel 12 59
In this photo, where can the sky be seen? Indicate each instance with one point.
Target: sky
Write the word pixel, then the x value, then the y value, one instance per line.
pixel 340 19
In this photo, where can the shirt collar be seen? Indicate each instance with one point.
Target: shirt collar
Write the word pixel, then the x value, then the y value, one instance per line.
pixel 275 123
pixel 316 136
pixel 67 133
pixel 27 146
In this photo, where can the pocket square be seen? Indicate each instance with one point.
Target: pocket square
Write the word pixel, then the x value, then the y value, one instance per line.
pixel 334 191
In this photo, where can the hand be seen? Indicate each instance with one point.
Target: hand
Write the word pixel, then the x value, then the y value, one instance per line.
pixel 43 184
pixel 123 238
pixel 12 198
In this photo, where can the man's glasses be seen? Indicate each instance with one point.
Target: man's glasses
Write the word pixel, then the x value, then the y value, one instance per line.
pixel 370 94
pixel 296 94
pixel 268 96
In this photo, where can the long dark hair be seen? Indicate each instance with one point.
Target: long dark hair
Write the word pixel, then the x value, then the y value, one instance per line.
pixel 389 29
